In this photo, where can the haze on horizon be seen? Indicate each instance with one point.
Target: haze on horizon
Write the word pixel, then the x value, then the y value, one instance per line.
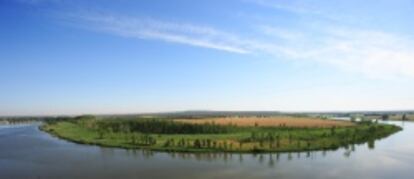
pixel 106 56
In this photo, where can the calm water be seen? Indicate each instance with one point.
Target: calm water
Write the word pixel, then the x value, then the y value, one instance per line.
pixel 26 152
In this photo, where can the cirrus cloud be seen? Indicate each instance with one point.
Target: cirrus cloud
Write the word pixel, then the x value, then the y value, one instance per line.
pixel 373 53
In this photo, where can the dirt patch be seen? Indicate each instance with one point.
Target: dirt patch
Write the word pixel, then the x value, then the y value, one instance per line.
pixel 270 121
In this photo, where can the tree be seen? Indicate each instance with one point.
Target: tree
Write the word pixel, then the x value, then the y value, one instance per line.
pixel 133 139
pixel 100 133
pixel 353 119
pixel 261 143
pixel 197 144
pixel 404 117
pixel 203 143
pixel 167 143
pixel 172 142
pixel 209 143
pixel 385 117
pixel 253 136
pixel 181 143
pixel 277 141
pixel 333 130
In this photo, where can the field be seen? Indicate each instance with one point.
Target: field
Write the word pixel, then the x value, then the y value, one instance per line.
pixel 277 121
pixel 217 135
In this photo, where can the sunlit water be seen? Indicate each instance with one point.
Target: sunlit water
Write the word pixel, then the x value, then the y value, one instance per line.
pixel 26 152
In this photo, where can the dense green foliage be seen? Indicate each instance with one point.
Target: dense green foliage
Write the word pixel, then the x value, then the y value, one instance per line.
pixel 158 134
pixel 157 126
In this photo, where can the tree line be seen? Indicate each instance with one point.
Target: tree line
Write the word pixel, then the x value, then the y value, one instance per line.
pixel 157 126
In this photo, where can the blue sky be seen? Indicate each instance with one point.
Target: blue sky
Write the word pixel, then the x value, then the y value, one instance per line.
pixel 126 56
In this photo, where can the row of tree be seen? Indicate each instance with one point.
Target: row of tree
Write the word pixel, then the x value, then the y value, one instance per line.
pixel 199 144
pixel 159 127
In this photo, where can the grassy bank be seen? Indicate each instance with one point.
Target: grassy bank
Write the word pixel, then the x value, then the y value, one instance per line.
pixel 167 135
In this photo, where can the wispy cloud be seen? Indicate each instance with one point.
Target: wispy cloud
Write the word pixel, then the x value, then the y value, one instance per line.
pixel 307 8
pixel 144 28
pixel 373 53
pixel 291 6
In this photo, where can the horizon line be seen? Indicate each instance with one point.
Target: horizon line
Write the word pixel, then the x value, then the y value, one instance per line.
pixel 215 111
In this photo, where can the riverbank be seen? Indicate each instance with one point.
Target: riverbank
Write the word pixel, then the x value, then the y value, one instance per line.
pixel 168 135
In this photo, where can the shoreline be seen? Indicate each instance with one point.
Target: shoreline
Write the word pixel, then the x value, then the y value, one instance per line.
pixel 179 151
pixel 115 141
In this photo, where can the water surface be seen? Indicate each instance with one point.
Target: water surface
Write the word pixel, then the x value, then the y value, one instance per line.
pixel 26 152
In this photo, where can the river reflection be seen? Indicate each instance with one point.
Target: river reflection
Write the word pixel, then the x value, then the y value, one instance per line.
pixel 270 160
pixel 26 152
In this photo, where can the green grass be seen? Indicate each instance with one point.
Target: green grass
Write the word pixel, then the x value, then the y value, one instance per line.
pixel 119 133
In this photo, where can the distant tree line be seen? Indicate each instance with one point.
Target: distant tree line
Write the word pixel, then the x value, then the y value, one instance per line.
pixel 19 120
pixel 158 126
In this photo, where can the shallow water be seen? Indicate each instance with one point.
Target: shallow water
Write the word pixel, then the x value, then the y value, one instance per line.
pixel 26 152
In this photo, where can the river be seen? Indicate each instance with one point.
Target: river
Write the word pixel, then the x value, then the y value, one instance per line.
pixel 27 152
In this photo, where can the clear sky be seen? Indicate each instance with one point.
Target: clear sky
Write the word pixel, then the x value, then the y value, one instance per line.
pixel 131 56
